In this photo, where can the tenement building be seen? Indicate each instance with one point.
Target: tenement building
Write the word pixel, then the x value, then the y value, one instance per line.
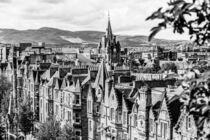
pixel 103 101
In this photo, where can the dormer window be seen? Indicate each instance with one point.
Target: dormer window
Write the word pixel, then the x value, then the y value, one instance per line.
pixel 89 106
pixel 151 125
pixel 188 122
pixel 97 108
pixel 77 99
pixel 124 117
pixel 112 97
pixel 112 113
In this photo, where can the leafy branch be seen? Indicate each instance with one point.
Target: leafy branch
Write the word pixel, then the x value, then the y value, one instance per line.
pixel 184 16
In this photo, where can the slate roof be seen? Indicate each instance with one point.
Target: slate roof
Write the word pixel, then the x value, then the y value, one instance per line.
pixel 119 97
pixel 129 105
pixel 84 59
pixel 174 109
pixel 49 73
pixel 133 92
pixel 44 66
pixel 157 102
pixel 58 83
pixel 78 86
pixel 155 83
pixel 51 82
pixel 102 75
pixel 125 91
pixel 3 66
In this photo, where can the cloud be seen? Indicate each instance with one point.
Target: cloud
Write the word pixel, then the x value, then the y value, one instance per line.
pixel 5 1
pixel 52 1
pixel 127 16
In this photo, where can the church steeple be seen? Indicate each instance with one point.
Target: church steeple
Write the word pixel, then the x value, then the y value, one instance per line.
pixel 109 34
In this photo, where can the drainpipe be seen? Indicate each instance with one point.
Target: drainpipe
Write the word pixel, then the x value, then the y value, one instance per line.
pixel 156 127
pixel 147 113
pixel 130 126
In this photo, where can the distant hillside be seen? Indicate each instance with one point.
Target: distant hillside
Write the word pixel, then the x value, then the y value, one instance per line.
pixel 57 36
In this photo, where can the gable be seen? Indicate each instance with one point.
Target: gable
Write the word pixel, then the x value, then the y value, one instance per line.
pixel 164 106
pixel 124 107
pixel 89 93
pixel 164 114
pixel 113 98
pixel 135 108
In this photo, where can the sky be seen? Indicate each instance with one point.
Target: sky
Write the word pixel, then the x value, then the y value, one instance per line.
pixel 127 16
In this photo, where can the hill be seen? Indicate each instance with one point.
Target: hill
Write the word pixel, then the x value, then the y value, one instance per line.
pixel 58 36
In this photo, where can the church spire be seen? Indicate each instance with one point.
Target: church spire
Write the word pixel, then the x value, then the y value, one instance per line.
pixel 109 34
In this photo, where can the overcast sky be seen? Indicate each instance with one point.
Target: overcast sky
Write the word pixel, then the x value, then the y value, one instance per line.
pixel 127 16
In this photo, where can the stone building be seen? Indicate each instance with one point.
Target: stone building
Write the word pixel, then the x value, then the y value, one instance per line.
pixel 109 47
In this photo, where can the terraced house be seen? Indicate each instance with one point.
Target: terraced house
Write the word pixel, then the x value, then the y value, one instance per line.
pixel 104 101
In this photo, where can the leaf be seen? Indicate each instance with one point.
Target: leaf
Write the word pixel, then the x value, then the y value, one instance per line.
pixel 176 2
pixel 201 18
pixel 162 24
pixel 155 14
pixel 154 28
pixel 154 32
pixel 185 8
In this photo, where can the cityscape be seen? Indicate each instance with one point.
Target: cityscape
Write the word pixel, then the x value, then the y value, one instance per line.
pixel 99 85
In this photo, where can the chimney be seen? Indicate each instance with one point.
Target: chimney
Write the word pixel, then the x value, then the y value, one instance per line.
pixel 114 38
pixel 147 113
pixel 108 86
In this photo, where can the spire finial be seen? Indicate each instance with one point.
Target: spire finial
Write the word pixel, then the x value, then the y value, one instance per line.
pixel 108 15
pixel 109 29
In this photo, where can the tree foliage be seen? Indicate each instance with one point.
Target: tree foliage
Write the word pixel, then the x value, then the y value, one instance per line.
pixel 196 99
pixel 26 117
pixel 5 88
pixel 169 66
pixel 67 132
pixel 190 16
pixel 2 132
pixel 52 130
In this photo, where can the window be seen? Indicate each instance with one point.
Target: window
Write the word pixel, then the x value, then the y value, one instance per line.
pixel 32 87
pixel 56 110
pixel 119 117
pixel 78 133
pixel 41 103
pixel 56 94
pixel 112 97
pixel 89 106
pixel 61 113
pixel 46 91
pixel 90 127
pixel 77 118
pixel 189 122
pixel 151 125
pixel 64 113
pixel 63 98
pixel 69 99
pixel 159 129
pixel 112 113
pixel 97 108
pixel 135 120
pixel 77 99
pixel 41 117
pixel 164 129
pixel 69 116
pixel 125 137
pixel 124 117
pixel 47 107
